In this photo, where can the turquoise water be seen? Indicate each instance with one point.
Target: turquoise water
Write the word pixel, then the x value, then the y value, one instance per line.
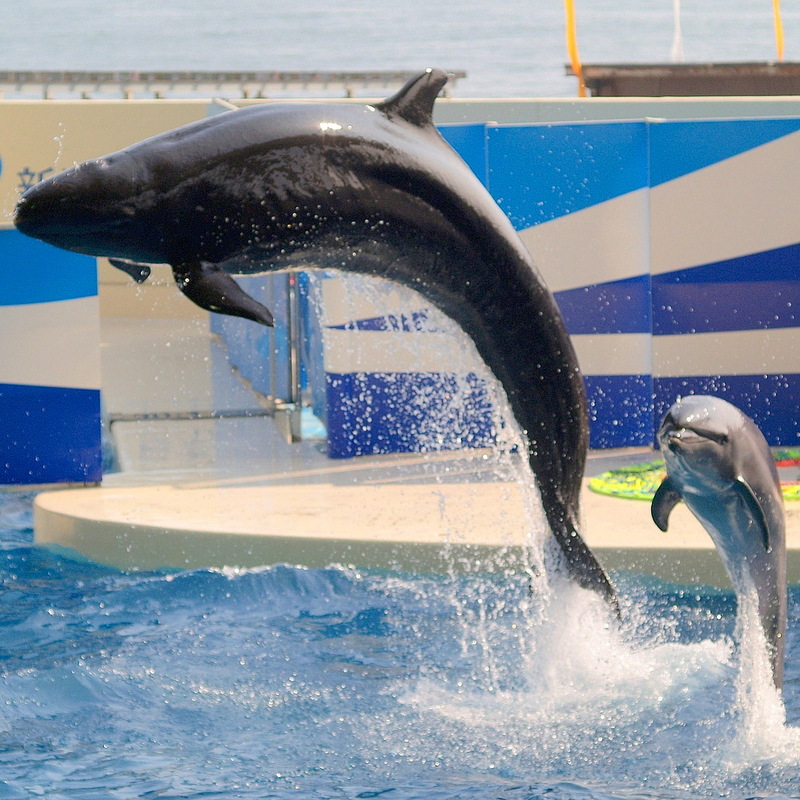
pixel 508 47
pixel 283 682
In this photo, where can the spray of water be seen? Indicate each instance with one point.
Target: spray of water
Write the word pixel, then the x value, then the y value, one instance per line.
pixel 762 736
pixel 547 681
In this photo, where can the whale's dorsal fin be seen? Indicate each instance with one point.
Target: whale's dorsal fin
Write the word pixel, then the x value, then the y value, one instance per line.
pixel 664 500
pixel 756 509
pixel 414 102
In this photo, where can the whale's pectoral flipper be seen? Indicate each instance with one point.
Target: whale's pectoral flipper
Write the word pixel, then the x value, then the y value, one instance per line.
pixel 756 509
pixel 139 272
pixel 664 500
pixel 211 288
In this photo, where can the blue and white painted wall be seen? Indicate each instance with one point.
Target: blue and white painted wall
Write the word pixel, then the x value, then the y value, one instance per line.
pixel 680 242
pixel 673 250
pixel 49 364
pixel 725 265
pixel 50 374
pixel 578 194
pixel 672 247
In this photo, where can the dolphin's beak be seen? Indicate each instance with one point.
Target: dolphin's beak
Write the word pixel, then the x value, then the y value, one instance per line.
pixel 676 438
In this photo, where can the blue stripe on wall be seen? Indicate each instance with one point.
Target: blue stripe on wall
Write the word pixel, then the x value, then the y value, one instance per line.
pixel 371 413
pixel 34 272
pixel 620 410
pixel 49 435
pixel 614 307
pixel 678 147
pixel 469 141
pixel 541 172
pixel 756 291
pixel 411 322
pixel 770 400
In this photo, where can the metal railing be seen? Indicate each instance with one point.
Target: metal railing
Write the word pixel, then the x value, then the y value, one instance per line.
pixel 154 84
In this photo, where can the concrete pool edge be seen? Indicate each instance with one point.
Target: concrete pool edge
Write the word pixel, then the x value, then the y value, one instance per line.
pixel 421 527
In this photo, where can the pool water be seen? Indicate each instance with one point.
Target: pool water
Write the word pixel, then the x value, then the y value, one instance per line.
pixel 285 682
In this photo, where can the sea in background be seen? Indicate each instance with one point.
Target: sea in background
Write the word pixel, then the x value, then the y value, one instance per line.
pixel 508 47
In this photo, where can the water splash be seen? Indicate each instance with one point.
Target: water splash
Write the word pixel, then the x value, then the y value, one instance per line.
pixel 59 140
pixel 762 736
pixel 547 681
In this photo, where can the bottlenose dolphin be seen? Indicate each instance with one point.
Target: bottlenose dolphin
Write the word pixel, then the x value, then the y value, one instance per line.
pixel 720 465
pixel 372 189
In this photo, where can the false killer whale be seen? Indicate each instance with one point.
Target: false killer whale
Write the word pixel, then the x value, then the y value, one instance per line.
pixel 372 189
pixel 720 465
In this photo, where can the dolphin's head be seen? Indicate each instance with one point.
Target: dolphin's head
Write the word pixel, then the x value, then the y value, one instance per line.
pixel 96 208
pixel 696 437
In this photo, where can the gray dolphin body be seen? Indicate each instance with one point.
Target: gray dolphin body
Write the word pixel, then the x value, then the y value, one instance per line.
pixel 368 189
pixel 720 465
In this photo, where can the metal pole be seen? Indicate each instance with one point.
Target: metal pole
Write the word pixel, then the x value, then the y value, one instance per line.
pixel 295 358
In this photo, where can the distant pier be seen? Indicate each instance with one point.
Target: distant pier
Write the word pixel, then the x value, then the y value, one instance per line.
pixel 725 79
pixel 147 85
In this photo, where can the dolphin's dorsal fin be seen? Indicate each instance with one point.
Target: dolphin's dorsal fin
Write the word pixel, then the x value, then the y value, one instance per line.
pixel 414 102
pixel 664 500
pixel 756 509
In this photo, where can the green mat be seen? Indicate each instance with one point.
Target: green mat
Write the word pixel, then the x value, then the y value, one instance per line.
pixel 639 482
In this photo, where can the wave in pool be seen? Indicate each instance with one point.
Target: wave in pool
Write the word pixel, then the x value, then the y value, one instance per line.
pixel 337 683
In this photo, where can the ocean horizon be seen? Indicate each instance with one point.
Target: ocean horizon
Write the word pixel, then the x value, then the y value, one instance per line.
pixel 508 48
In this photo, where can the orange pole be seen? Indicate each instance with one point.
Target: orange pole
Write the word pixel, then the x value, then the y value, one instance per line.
pixel 776 9
pixel 572 47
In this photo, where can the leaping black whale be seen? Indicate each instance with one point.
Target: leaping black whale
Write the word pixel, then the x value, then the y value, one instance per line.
pixel 372 189
pixel 720 465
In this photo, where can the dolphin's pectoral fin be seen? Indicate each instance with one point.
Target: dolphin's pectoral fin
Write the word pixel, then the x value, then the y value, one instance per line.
pixel 756 509
pixel 414 102
pixel 211 288
pixel 139 272
pixel 664 500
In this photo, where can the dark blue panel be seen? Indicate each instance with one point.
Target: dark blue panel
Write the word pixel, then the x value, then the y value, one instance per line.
pixel 770 400
pixel 541 172
pixel 34 272
pixel 411 322
pixel 49 435
pixel 678 147
pixel 620 410
pixel 370 413
pixel 469 141
pixel 757 291
pixel 616 307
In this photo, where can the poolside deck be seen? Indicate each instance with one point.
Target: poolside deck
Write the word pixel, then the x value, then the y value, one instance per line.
pixel 207 479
